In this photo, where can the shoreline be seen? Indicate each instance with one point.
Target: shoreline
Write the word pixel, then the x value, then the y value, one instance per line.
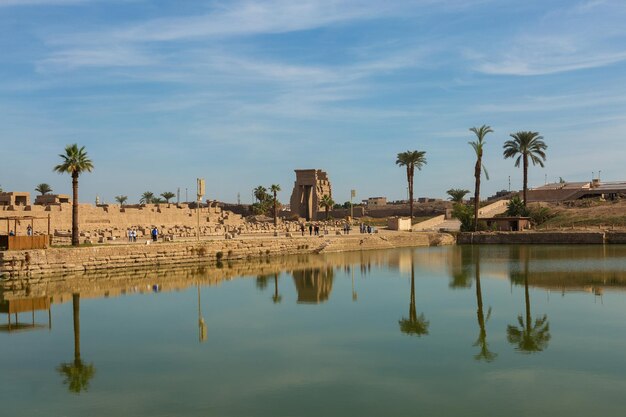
pixel 542 237
pixel 39 262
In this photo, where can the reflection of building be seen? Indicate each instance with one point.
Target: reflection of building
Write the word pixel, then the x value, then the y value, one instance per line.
pixel 26 305
pixel 313 285
pixel 310 186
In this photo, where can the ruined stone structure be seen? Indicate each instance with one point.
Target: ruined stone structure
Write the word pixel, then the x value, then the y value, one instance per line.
pixel 15 199
pixel 102 223
pixel 310 186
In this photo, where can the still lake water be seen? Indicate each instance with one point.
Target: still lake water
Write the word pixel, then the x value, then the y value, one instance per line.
pixel 449 331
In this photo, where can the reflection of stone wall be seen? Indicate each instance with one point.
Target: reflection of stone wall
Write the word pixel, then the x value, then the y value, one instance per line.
pixel 313 284
pixel 310 186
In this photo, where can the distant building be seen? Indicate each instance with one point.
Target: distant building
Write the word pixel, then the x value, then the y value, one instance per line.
pixel 567 191
pixel 50 199
pixel 376 201
pixel 15 198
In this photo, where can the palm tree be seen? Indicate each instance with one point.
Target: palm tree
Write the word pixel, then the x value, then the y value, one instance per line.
pixel 328 203
pixel 75 162
pixel 411 160
pixel 260 193
pixel 414 325
pixel 121 199
pixel 43 188
pixel 275 188
pixel 529 337
pixel 167 196
pixel 484 354
pixel 478 144
pixel 147 198
pixel 526 145
pixel 77 373
pixel 457 194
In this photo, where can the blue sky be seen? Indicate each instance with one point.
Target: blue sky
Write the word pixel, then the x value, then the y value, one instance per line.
pixel 244 92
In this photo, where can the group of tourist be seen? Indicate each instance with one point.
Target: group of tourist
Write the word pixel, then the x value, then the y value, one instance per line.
pixel 132 234
pixel 314 229
pixel 366 228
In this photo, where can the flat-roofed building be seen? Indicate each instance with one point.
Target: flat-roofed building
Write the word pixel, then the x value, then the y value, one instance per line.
pixel 49 199
pixel 15 198
pixel 567 191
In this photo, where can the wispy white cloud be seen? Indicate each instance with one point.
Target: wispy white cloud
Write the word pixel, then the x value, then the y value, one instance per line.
pixel 588 34
pixel 7 3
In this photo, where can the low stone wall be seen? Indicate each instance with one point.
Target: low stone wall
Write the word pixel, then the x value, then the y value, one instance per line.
pixel 566 238
pixel 68 260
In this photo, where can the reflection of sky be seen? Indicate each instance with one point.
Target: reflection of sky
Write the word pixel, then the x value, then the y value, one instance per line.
pixel 336 358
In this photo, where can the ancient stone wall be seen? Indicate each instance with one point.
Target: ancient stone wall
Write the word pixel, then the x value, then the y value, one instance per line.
pixel 81 259
pixel 564 238
pixel 112 222
pixel 310 186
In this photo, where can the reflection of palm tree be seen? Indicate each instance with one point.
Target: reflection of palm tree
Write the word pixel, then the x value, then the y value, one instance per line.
pixel 484 354
pixel 261 281
pixel 529 337
pixel 77 374
pixel 277 298
pixel 414 325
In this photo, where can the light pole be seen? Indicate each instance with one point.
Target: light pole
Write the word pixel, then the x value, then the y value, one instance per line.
pixel 200 193
pixel 352 195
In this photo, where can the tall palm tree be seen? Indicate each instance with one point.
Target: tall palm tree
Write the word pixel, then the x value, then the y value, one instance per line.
pixel 43 188
pixel 526 145
pixel 484 354
pixel 411 160
pixel 147 198
pixel 478 144
pixel 77 373
pixel 414 325
pixel 275 188
pixel 168 195
pixel 75 162
pixel 328 203
pixel 121 199
pixel 529 337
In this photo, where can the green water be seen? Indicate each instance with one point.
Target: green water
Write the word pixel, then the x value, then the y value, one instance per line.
pixel 451 331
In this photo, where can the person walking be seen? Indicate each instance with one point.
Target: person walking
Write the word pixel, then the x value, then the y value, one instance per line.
pixel 310 229
pixel 155 234
pixel 302 228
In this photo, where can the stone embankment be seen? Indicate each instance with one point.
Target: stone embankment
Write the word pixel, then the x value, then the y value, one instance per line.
pixel 534 237
pixel 93 258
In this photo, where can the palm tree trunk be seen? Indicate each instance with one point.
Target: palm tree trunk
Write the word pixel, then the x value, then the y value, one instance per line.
pixel 409 177
pixel 76 315
pixel 75 239
pixel 525 177
pixel 477 192
pixel 275 211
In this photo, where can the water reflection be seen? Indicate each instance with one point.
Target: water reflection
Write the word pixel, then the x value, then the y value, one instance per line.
pixel 276 298
pixel 414 325
pixel 313 285
pixel 485 354
pixel 526 335
pixel 77 374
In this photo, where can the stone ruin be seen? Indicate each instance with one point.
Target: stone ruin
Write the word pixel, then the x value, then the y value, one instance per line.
pixel 310 186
